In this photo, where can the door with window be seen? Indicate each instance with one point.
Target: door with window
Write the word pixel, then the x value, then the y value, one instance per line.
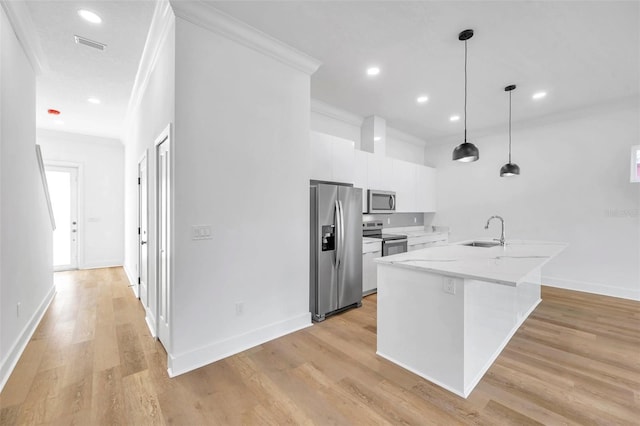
pixel 63 190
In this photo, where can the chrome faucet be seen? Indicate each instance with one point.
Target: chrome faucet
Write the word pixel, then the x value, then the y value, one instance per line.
pixel 502 239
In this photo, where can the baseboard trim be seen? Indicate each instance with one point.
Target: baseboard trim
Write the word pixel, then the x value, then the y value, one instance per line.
pixel 102 264
pixel 133 282
pixel 595 288
pixel 185 362
pixel 151 322
pixel 10 362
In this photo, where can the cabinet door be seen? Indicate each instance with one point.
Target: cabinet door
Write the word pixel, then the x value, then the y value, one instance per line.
pixel 369 272
pixel 343 160
pixel 332 158
pixel 404 183
pixel 360 176
pixel 425 189
pixel 380 172
pixel 321 152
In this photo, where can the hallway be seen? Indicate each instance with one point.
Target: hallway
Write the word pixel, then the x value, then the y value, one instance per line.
pixel 93 361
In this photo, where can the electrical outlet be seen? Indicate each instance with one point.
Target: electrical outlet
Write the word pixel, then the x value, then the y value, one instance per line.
pixel 415 220
pixel 18 310
pixel 449 285
pixel 239 308
pixel 388 221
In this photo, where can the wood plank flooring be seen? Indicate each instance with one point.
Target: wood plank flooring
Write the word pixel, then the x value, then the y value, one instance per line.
pixel 576 360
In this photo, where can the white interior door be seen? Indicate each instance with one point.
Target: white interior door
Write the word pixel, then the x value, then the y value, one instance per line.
pixel 63 190
pixel 164 220
pixel 143 221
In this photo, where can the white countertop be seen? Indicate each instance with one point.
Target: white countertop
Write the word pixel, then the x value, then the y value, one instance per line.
pixel 503 265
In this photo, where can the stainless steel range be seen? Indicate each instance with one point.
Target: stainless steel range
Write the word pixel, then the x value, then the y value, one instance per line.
pixel 391 243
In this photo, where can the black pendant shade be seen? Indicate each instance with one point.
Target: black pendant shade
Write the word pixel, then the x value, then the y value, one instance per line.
pixel 509 169
pixel 466 152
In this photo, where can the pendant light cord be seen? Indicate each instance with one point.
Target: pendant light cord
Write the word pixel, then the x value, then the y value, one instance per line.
pixel 509 127
pixel 465 91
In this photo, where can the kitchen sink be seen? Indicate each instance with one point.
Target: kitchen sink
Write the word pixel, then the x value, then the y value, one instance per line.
pixel 482 244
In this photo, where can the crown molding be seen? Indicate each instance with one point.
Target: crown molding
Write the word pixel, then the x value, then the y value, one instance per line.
pixel 331 111
pixel 206 16
pixel 25 30
pixel 161 25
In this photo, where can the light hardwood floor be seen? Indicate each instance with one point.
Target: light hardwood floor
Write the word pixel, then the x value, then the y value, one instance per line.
pixel 576 360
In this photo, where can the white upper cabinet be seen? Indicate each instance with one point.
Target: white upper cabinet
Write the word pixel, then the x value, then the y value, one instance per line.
pixel 379 172
pixel 360 176
pixel 335 159
pixel 332 158
pixel 425 189
pixel 404 184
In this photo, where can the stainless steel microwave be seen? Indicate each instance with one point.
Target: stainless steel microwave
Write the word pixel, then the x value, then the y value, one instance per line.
pixel 381 201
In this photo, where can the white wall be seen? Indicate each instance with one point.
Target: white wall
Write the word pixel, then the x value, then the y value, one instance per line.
pixel 399 146
pixel 241 163
pixel 101 198
pixel 26 265
pixel 149 118
pixel 574 187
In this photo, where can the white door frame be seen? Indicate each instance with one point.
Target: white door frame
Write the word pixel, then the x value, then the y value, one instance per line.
pixel 164 317
pixel 143 234
pixel 79 189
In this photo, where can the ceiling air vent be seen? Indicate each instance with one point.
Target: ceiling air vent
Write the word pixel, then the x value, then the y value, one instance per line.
pixel 90 43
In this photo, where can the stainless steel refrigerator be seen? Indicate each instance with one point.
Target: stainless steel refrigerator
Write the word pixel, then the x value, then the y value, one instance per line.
pixel 336 249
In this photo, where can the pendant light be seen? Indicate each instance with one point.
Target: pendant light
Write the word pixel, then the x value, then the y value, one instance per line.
pixel 509 169
pixel 466 151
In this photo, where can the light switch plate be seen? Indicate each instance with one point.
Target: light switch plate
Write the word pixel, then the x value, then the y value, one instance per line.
pixel 201 232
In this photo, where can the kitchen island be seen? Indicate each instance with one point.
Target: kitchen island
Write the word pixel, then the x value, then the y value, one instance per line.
pixel 445 313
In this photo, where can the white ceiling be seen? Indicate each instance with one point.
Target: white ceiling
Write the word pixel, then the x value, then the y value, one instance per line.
pixel 583 53
pixel 76 72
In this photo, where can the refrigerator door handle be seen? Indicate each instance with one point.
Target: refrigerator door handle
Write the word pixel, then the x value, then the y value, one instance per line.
pixel 341 231
pixel 338 236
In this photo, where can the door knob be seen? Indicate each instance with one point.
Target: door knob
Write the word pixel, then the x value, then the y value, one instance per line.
pixel 143 242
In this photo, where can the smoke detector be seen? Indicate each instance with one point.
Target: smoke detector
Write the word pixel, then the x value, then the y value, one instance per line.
pixel 90 43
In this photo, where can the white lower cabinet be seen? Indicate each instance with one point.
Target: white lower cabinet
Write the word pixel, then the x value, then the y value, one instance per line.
pixel 370 251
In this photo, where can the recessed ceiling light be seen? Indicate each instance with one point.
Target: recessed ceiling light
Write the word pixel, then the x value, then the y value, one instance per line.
pixel 93 100
pixel 422 99
pixel 454 118
pixel 539 95
pixel 376 138
pixel 89 16
pixel 373 71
